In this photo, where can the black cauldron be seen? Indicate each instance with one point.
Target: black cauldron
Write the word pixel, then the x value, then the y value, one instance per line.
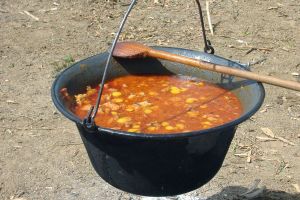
pixel 156 165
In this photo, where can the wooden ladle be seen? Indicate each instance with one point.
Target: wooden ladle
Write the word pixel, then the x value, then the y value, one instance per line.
pixel 138 50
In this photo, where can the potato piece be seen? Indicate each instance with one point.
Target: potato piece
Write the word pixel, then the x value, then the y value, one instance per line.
pixel 191 100
pixel 90 91
pixel 133 130
pixel 118 100
pixel 144 103
pixel 200 84
pixel 152 128
pixel 180 126
pixel 86 107
pixel 106 110
pixel 130 108
pixel 203 106
pixel 206 123
pixel 112 106
pixel 80 98
pixel 193 113
pixel 175 90
pixel 136 126
pixel 206 126
pixel 212 119
pixel 131 96
pixel 151 93
pixel 124 120
pixel 116 94
pixel 169 128
pixel 147 111
pixel 164 123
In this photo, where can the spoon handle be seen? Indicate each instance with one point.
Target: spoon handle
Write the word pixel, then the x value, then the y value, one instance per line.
pixel 225 70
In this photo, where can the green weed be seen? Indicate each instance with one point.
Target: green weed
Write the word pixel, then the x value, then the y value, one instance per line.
pixel 61 65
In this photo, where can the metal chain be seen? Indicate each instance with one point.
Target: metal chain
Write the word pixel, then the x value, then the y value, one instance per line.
pixel 207 44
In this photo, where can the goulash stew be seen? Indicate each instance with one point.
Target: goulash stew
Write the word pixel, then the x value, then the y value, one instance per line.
pixel 159 104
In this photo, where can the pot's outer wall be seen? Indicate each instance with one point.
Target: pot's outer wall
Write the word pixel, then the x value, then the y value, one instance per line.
pixel 155 164
pixel 157 167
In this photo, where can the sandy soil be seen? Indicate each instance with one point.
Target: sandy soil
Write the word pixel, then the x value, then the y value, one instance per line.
pixel 41 153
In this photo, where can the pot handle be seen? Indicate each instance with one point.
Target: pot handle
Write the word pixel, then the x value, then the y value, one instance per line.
pixel 89 122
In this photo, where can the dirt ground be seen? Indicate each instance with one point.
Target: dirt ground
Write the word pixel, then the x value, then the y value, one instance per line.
pixel 41 153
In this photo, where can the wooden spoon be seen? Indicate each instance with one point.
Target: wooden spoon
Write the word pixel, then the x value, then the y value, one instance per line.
pixel 138 50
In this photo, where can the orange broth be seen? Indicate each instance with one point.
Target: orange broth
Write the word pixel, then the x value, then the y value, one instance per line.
pixel 160 104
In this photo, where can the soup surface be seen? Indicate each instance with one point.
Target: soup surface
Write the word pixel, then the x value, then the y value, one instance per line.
pixel 159 104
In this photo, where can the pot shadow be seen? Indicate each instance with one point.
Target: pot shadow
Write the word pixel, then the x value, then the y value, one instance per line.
pixel 143 66
pixel 233 193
